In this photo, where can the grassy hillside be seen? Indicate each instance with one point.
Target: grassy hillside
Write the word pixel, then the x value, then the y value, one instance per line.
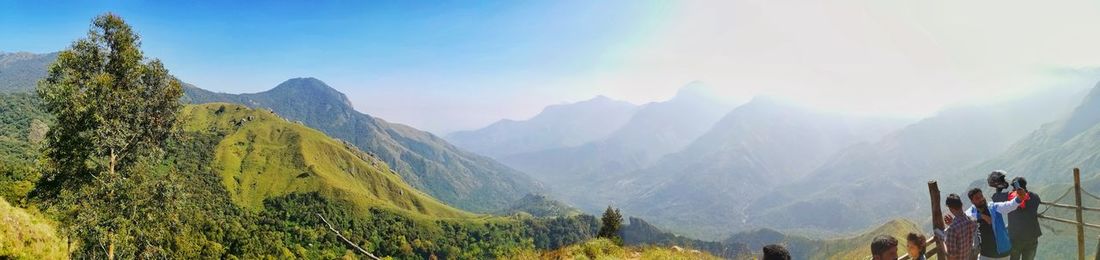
pixel 264 156
pixel 24 235
pixel 427 162
pixel 606 249
pixel 640 232
pixel 859 247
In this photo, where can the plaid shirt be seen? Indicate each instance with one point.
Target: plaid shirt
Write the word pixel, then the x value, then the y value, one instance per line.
pixel 960 237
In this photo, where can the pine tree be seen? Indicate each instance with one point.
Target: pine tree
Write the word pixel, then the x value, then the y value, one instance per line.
pixel 610 228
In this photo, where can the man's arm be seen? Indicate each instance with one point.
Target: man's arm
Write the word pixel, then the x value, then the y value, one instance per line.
pixel 1007 206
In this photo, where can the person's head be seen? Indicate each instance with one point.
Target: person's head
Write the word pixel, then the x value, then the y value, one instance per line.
pixel 954 203
pixel 976 197
pixel 915 245
pixel 776 252
pixel 1019 183
pixel 997 181
pixel 884 247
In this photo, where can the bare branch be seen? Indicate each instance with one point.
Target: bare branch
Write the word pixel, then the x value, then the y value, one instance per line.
pixel 346 241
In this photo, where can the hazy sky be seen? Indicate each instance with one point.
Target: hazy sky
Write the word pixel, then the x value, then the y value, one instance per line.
pixel 445 67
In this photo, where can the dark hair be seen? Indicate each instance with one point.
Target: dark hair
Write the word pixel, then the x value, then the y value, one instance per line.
pixel 954 202
pixel 1020 181
pixel 919 239
pixel 776 252
pixel 881 243
pixel 970 194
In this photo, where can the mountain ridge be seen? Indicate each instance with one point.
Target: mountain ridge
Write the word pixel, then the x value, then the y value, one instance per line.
pixel 466 180
pixel 557 126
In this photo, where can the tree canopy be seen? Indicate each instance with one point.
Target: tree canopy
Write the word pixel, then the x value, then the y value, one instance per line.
pixel 113 109
pixel 611 221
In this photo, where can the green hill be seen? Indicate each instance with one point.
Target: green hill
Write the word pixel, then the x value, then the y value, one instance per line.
pixel 425 161
pixel 539 205
pixel 606 249
pixel 27 236
pixel 858 247
pixel 264 156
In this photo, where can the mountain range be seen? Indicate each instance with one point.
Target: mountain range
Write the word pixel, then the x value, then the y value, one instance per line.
pixel 701 167
pixel 704 188
pixel 656 129
pixel 427 162
pixel 896 167
pixel 20 71
pixel 557 126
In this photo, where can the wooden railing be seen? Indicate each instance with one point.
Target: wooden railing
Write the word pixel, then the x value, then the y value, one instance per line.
pixel 1078 212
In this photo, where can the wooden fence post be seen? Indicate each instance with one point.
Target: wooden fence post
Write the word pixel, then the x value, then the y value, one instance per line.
pixel 1098 248
pixel 937 216
pixel 1080 220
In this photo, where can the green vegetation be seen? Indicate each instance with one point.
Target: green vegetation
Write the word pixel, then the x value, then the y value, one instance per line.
pixel 609 225
pixel 538 205
pixel 27 236
pixel 23 126
pixel 114 112
pixel 210 222
pixel 428 163
pixel 606 249
pixel 264 156
pixel 640 233
pixel 858 247
pixel 124 179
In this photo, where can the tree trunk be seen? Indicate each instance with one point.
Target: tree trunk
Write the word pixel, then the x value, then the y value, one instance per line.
pixel 111 245
pixel 114 159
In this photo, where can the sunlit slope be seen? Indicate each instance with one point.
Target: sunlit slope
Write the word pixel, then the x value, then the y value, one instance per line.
pixel 24 235
pixel 263 156
pixel 859 247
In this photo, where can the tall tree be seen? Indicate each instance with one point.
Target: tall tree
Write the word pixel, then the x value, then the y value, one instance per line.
pixel 114 109
pixel 611 221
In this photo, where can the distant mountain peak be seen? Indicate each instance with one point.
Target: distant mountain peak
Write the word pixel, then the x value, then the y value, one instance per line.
pixel 304 83
pixel 695 89
pixel 312 87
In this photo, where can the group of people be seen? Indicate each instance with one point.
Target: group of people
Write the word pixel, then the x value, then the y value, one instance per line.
pixel 1007 228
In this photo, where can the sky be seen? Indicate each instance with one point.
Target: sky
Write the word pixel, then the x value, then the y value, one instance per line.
pixel 453 65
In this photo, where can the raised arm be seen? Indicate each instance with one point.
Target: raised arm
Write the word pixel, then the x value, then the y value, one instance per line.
pixel 1007 206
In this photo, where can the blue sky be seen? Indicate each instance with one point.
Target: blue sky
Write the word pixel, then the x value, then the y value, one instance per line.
pixel 376 51
pixel 452 65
